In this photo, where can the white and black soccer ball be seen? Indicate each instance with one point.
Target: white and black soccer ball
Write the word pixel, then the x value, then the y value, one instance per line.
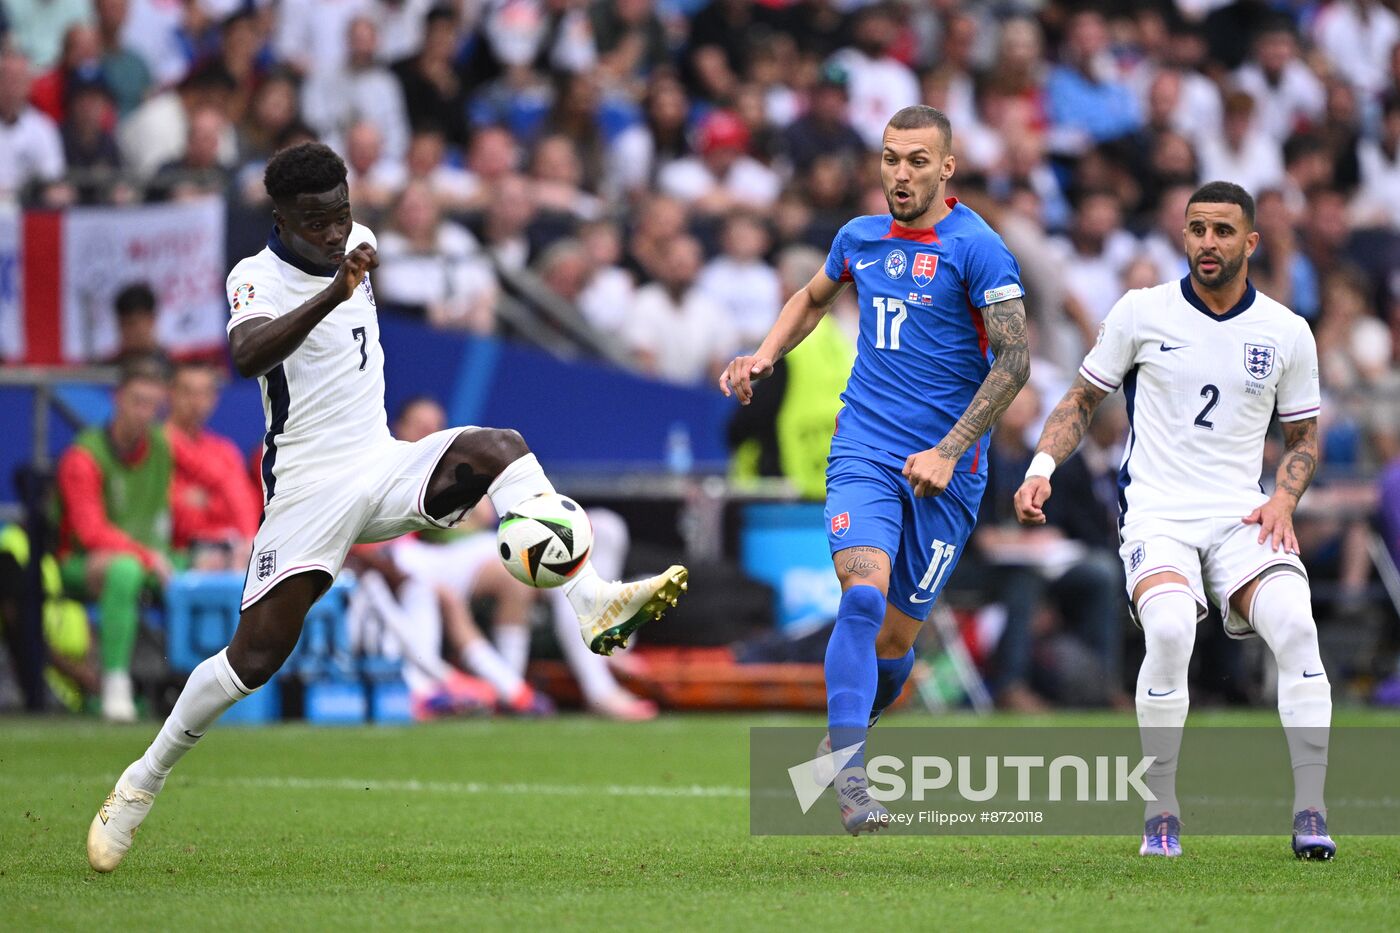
pixel 545 540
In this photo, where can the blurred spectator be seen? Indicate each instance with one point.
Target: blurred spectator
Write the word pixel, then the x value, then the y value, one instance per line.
pixel 641 151
pixel 239 44
pixel 137 339
pixel 722 177
pixel 879 85
pixel 361 91
pixel 659 220
pixel 1379 160
pixel 676 332
pixel 1069 562
pixel 215 509
pixel 1354 351
pixel 630 38
pixel 31 149
pixel 434 266
pixel 273 108
pixel 1243 152
pixel 89 148
pixel 1184 102
pixel 1306 165
pixel 123 70
pixel 199 171
pixel 1165 244
pixel 434 93
pixel 1357 38
pixel 825 128
pixel 1341 134
pixel 156 132
pixel 402 24
pixel 1279 267
pixel 114 533
pixel 1084 99
pixel 156 31
pixel 1092 255
pixel 740 281
pixel 374 179
pixel 80 61
pixel 37 27
pixel 505 230
pixel 786 430
pixel 453 188
pixel 556 180
pixel 312 35
pixel 1288 97
pixel 608 293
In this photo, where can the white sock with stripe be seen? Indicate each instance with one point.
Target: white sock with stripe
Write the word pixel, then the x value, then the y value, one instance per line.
pixel 212 688
pixel 1168 615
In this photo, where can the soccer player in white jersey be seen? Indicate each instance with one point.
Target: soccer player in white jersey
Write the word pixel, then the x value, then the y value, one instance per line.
pixel 303 322
pixel 1205 363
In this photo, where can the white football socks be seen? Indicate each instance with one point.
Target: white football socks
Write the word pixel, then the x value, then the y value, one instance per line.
pixel 1282 615
pixel 1168 615
pixel 513 645
pixel 520 480
pixel 212 688
pixel 482 659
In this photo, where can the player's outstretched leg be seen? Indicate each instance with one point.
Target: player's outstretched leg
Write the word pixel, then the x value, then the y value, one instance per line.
pixel 497 462
pixel 267 632
pixel 1280 610
pixel 1168 613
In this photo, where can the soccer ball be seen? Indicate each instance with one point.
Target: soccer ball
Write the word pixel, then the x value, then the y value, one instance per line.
pixel 545 540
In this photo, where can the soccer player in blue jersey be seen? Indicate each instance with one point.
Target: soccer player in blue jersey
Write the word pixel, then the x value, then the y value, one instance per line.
pixel 942 352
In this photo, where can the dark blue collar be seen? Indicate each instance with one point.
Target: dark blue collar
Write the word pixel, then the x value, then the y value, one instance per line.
pixel 284 253
pixel 1244 304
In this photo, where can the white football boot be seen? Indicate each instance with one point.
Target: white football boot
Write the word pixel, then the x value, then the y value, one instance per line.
pixel 620 609
pixel 115 825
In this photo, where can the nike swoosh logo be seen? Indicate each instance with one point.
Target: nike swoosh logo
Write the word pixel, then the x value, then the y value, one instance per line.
pixel 1167 694
pixel 916 599
pixel 1318 674
pixel 193 736
pixel 865 265
pixel 1167 349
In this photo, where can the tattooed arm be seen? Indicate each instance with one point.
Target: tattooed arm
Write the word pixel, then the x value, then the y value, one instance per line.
pixel 929 472
pixel 1064 429
pixel 1295 472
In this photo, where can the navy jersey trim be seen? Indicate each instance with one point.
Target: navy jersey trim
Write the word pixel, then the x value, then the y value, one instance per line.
pixel 283 252
pixel 1244 304
pixel 1124 476
pixel 280 402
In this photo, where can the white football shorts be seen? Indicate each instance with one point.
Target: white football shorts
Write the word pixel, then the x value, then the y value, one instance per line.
pixel 377 497
pixel 1217 556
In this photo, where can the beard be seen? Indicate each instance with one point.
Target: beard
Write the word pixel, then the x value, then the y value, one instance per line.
pixel 914 209
pixel 1228 269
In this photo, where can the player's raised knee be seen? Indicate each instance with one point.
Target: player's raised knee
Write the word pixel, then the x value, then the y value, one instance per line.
pixel 491 450
pixel 255 666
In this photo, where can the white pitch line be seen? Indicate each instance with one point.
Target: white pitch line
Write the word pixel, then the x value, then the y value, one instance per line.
pixel 425 787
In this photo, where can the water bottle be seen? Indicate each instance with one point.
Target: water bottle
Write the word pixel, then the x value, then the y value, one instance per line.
pixel 680 459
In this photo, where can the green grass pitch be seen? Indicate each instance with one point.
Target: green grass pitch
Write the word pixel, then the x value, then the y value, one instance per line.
pixel 574 823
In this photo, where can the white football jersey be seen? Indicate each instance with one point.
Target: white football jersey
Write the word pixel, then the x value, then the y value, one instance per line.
pixel 323 404
pixel 1201 389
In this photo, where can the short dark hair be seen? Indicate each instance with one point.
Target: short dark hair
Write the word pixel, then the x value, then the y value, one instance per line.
pixel 143 367
pixel 1224 192
pixel 136 298
pixel 306 168
pixel 922 117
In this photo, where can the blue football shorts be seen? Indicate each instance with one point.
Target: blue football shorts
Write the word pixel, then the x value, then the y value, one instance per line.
pixel 869 504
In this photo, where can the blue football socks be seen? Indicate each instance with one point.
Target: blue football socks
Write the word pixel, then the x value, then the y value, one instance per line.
pixel 893 672
pixel 852 671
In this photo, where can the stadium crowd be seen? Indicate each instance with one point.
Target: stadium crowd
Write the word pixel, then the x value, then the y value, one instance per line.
pixel 670 168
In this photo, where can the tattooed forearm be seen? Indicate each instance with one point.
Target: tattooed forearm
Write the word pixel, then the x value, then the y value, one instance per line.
pixel 1006 334
pixel 860 564
pixel 1065 427
pixel 1300 461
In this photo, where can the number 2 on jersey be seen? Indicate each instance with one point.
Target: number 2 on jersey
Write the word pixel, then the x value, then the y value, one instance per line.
pixel 894 307
pixel 359 334
pixel 1211 392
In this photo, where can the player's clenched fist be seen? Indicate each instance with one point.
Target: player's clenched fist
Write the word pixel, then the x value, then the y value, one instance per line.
pixel 1030 499
pixel 742 373
pixel 352 270
pixel 929 472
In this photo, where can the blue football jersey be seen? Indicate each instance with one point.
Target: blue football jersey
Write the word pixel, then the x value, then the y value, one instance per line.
pixel 922 351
